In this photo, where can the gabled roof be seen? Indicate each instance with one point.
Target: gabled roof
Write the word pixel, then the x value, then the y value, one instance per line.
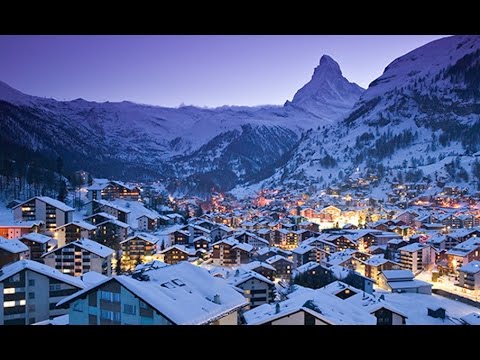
pixel 147 237
pixel 12 269
pixel 257 264
pixel 201 238
pixel 275 258
pixel 103 214
pixel 397 275
pixel 48 200
pixel 413 247
pixel 89 245
pixel 472 267
pixel 83 224
pixel 36 237
pixel 182 248
pixel 112 205
pixel 13 246
pixel 240 277
pixel 183 293
pixel 116 223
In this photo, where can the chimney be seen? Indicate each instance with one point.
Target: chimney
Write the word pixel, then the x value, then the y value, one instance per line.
pixel 216 299
pixel 277 308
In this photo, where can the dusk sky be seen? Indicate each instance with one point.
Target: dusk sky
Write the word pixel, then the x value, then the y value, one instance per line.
pixel 194 70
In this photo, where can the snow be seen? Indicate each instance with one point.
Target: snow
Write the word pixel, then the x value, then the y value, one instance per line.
pixel 83 224
pixel 116 222
pixel 147 237
pixel 242 276
pixel 397 275
pixel 92 278
pixel 328 308
pixel 275 258
pixel 182 248
pixel 58 320
pixel 94 247
pixel 418 314
pixel 472 267
pixel 13 246
pixel 412 247
pixel 12 269
pixel 410 284
pixel 471 319
pixel 6 215
pixel 36 237
pixel 183 293
pixel 257 264
pixel 58 204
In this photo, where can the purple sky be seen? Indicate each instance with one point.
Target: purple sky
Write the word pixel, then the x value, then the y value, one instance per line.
pixel 198 70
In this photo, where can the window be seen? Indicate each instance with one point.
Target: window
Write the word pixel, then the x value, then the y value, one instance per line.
pixel 178 282
pixel 31 282
pixel 110 315
pixel 23 302
pixel 9 291
pixel 78 306
pixel 31 295
pixel 8 304
pixel 55 287
pixel 129 309
pixel 15 278
pixel 143 305
pixel 109 296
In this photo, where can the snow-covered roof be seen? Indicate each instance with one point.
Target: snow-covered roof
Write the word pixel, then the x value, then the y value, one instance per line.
pixel 22 224
pixel 244 246
pixel 185 294
pixel 240 276
pixel 256 264
pixel 147 237
pixel 397 275
pixel 48 200
pixel 302 249
pixel 465 247
pixel 92 277
pixel 471 319
pixel 83 224
pixel 275 258
pixel 175 215
pixel 13 246
pixel 409 284
pixel 201 238
pixel 12 269
pixel 115 222
pixel 305 267
pixel 58 320
pixel 320 304
pixel 89 245
pixel 376 260
pixel 115 205
pixel 103 214
pixel 472 267
pixel 412 247
pixel 36 237
pixel 182 248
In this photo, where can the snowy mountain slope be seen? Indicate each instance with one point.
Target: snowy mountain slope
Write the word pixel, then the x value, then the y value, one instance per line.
pixel 420 120
pixel 195 149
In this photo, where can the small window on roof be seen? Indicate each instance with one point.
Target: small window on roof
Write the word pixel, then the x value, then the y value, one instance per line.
pixel 178 282
pixel 168 285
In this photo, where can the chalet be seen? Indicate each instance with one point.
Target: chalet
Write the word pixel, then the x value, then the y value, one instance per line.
pixel 73 231
pixel 20 228
pixel 266 234
pixel 12 250
pixel 201 242
pixel 450 221
pixel 311 268
pixel 110 190
pixel 79 257
pixel 260 267
pixel 177 253
pixel 438 241
pixel 112 232
pixel 195 231
pixel 176 218
pixel 38 245
pixel 229 252
pixel 179 237
pixel 250 238
pixel 220 231
pixel 305 253
pixel 52 212
pixel 164 220
pixel 416 257
pixel 403 281
pixel 469 275
pixel 157 297
pixel 385 313
pixel 30 291
pixel 120 213
pixel 263 254
pixel 460 235
pixel 375 265
pixel 147 222
pixel 139 248
pixel 393 247
pixel 408 217
pixel 463 253
pixel 314 307
pixel 469 221
pixel 282 265
pixel 257 289
pixel 331 211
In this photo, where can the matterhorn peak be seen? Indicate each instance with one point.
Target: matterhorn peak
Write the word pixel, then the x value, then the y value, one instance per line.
pixel 328 94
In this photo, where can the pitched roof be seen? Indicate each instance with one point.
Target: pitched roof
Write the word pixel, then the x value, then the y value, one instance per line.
pixel 147 237
pixel 185 294
pixel 48 200
pixel 79 223
pixel 12 269
pixel 275 258
pixel 36 237
pixel 89 245
pixel 397 275
pixel 13 246
pixel 472 267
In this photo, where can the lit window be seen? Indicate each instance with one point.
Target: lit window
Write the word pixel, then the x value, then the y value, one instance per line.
pixel 8 304
pixel 9 291
pixel 23 302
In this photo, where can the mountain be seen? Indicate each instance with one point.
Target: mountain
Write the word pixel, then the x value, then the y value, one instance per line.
pixel 193 150
pixel 419 121
pixel 328 94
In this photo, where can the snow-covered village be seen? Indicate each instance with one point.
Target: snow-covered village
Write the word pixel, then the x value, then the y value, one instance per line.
pixel 346 205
